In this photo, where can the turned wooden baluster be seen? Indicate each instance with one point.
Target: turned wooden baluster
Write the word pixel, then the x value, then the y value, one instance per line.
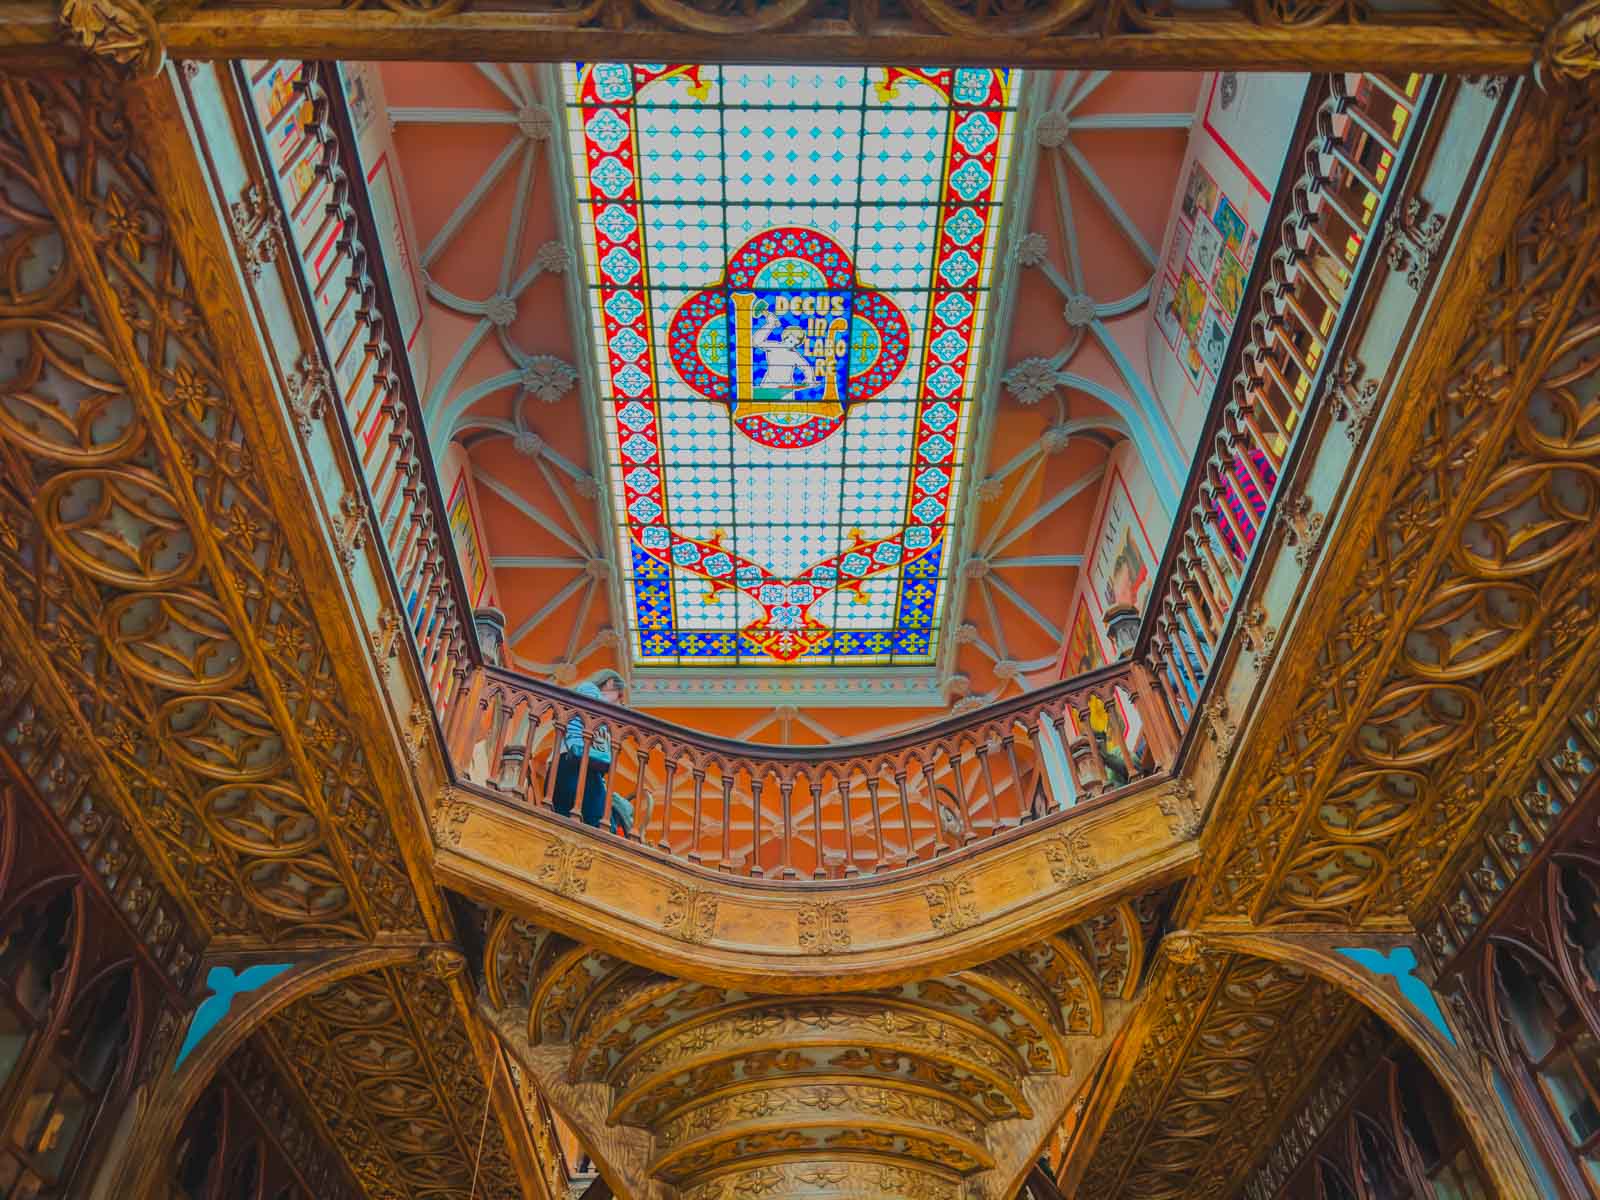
pixel 962 809
pixel 992 796
pixel 558 726
pixel 905 813
pixel 694 837
pixel 671 768
pixel 1007 742
pixel 727 817
pixel 877 819
pixel 786 868
pixel 845 783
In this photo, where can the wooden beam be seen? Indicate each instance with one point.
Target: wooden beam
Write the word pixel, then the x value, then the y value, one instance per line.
pixel 1433 41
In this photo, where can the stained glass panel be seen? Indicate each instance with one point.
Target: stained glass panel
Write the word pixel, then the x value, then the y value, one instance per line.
pixel 789 275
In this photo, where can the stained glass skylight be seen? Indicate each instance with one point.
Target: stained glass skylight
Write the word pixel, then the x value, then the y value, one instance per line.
pixel 789 275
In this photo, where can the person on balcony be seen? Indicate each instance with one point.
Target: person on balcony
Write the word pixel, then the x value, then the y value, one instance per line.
pixel 606 686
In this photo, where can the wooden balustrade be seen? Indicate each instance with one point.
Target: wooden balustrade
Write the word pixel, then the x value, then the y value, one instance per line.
pixel 1339 176
pixel 790 812
pixel 310 147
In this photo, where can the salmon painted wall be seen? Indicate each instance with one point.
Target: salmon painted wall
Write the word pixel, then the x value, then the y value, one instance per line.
pixel 466 527
pixel 1128 533
pixel 1236 152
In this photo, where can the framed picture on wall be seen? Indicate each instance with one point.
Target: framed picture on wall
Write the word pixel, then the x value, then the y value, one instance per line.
pixel 1200 194
pixel 1213 341
pixel 1167 313
pixel 464 532
pixel 1235 230
pixel 1204 247
pixel 1120 567
pixel 1083 643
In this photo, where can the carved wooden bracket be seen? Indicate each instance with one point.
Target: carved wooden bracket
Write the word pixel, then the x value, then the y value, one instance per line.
pixel 123 33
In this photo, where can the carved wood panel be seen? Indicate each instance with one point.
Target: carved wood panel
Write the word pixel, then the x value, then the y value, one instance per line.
pixel 396 1086
pixel 1223 1043
pixel 1323 34
pixel 141 559
pixel 1474 604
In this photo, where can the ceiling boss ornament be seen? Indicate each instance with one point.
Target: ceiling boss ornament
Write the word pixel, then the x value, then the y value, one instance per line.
pixel 123 32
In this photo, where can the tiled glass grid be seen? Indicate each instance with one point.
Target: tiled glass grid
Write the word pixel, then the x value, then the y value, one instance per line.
pixel 725 154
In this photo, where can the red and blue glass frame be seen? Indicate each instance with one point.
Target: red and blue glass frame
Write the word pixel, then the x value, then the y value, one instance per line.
pixel 968 207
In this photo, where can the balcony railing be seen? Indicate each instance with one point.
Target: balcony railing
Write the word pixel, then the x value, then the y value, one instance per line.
pixel 310 147
pixel 842 812
pixel 821 813
pixel 1353 131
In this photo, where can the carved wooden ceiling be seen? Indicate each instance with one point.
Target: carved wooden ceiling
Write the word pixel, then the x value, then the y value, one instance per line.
pixel 937 1089
pixel 190 656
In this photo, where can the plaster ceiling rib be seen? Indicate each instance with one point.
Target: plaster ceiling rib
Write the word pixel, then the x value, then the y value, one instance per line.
pixel 1033 379
pixel 469 205
pixel 493 73
pixel 1024 607
pixel 535 562
pixel 404 114
pixel 588 572
pixel 532 511
pixel 999 537
pixel 1040 560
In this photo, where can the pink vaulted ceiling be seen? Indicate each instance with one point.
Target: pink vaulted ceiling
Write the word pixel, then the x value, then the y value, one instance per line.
pixel 458 125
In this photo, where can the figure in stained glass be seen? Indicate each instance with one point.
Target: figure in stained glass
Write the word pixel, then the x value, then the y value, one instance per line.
pixel 791 352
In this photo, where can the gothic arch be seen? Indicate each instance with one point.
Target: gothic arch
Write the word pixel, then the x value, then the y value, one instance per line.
pixel 160 1104
pixel 1383 992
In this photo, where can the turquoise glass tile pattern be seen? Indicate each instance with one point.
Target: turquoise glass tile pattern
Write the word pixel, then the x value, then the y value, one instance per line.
pixel 789 275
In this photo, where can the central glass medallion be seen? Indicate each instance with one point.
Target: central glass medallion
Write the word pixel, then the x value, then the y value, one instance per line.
pixel 787 340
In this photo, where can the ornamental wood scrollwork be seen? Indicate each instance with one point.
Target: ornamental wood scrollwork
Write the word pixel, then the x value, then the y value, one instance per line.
pixel 122 32
pixel 691 914
pixel 1477 597
pixel 824 927
pixel 1179 806
pixel 146 558
pixel 1071 858
pixel 1571 49
pixel 916 1088
pixel 565 869
pixel 952 904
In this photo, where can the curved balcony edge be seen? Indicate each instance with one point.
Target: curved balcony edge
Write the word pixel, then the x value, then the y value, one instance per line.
pixel 808 936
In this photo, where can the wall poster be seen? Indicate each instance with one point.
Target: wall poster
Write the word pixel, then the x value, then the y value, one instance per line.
pixel 1123 557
